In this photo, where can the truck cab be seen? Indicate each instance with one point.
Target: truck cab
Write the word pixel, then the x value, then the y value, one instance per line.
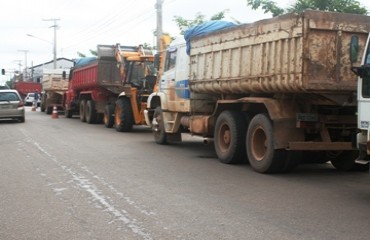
pixel 363 98
pixel 174 82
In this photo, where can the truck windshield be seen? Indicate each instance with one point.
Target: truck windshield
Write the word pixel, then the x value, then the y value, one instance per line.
pixel 170 59
pixel 367 56
pixel 366 78
pixel 366 83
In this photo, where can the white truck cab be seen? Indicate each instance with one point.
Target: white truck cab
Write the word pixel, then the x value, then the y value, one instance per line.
pixel 363 98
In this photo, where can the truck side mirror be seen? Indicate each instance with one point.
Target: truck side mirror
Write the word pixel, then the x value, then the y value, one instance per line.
pixel 353 50
pixel 157 59
pixel 64 75
pixel 70 74
pixel 3 71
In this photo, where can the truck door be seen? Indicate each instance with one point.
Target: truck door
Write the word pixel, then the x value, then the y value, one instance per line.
pixel 364 91
pixel 174 81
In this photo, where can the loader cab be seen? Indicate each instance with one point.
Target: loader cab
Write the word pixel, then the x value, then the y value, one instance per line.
pixel 141 75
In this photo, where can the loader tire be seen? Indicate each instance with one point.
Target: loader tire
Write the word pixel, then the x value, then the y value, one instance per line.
pixel 123 117
pixel 108 117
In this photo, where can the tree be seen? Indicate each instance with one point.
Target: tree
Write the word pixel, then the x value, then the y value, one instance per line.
pixel 345 6
pixel 184 24
pixel 80 54
pixel 267 6
pixel 92 52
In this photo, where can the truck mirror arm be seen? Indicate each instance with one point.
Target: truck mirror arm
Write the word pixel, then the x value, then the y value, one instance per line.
pixel 361 71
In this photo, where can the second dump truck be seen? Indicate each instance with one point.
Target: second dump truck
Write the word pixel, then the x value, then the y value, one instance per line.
pixel 54 85
pixel 271 92
pixel 113 87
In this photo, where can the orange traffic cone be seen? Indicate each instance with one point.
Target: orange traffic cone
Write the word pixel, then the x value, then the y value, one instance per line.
pixel 55 112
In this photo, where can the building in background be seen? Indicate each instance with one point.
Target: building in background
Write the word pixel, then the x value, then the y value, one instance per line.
pixel 35 72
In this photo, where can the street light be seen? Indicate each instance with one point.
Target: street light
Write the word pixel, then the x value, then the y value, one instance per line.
pixel 54 47
pixel 30 35
pixel 25 63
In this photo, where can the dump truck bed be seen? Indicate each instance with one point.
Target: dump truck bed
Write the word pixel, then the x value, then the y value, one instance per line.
pixel 286 54
pixel 100 73
pixel 27 87
pixel 52 80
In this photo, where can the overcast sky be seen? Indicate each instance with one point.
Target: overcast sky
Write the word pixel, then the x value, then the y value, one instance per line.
pixel 84 23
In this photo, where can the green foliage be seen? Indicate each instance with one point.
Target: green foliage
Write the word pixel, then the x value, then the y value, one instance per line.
pixel 148 46
pixel 345 6
pixel 92 52
pixel 80 54
pixel 267 6
pixel 184 24
pixel 9 83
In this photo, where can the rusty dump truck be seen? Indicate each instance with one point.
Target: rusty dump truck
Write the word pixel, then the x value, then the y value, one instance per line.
pixel 272 92
pixel 113 87
pixel 54 85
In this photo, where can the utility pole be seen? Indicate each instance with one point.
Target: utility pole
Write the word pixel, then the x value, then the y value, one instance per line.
pixel 158 6
pixel 25 63
pixel 55 26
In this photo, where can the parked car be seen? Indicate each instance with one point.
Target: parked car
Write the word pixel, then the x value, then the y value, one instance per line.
pixel 11 105
pixel 30 98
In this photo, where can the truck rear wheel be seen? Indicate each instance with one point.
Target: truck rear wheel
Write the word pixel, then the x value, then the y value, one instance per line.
pixel 91 115
pixel 159 132
pixel 49 110
pixel 68 113
pixel 260 146
pixel 123 115
pixel 108 116
pixel 343 161
pixel 229 137
pixel 82 111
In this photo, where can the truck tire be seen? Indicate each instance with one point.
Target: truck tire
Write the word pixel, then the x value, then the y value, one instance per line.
pixel 83 111
pixel 160 135
pixel 229 137
pixel 49 110
pixel 260 146
pixel 108 116
pixel 123 118
pixel 68 113
pixel 291 160
pixel 344 161
pixel 91 114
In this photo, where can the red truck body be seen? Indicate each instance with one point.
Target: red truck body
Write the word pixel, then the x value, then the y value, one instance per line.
pixel 91 88
pixel 27 87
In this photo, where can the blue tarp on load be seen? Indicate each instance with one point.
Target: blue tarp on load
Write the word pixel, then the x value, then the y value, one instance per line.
pixel 84 61
pixel 204 29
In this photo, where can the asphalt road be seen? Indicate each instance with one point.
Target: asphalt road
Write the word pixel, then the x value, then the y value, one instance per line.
pixel 63 179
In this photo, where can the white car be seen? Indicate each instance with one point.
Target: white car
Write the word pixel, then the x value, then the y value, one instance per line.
pixel 28 100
